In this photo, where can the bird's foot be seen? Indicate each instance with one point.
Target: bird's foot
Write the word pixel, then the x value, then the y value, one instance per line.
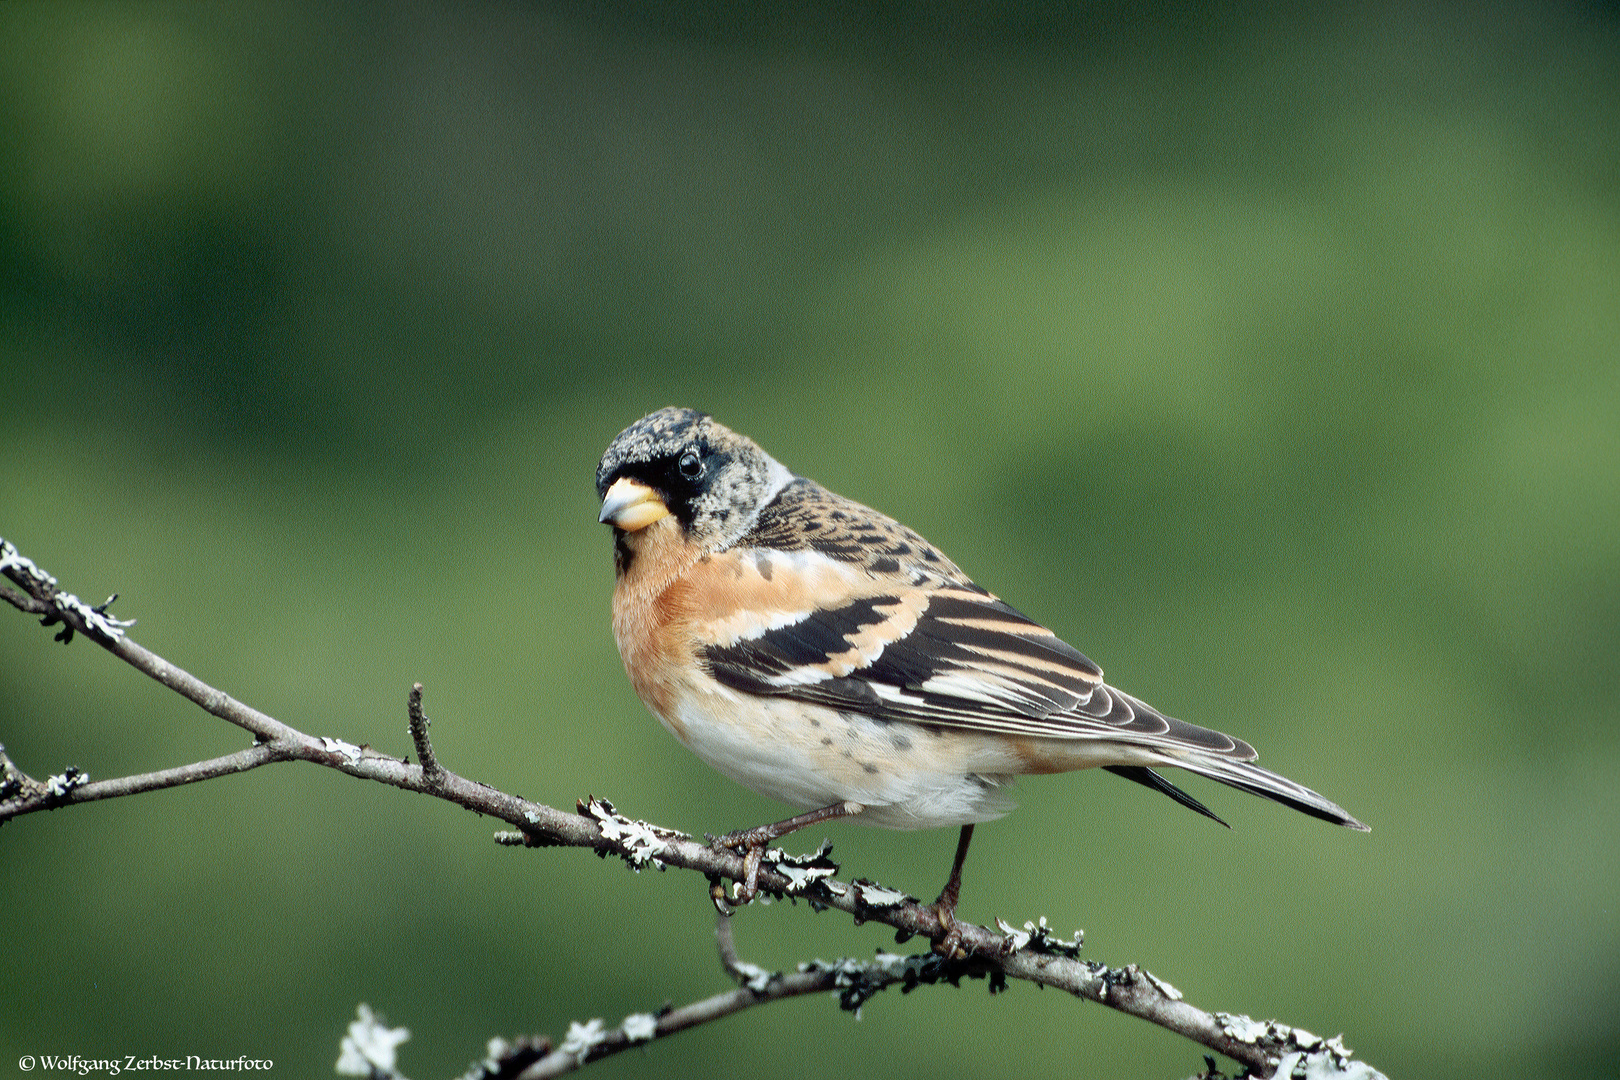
pixel 949 942
pixel 751 845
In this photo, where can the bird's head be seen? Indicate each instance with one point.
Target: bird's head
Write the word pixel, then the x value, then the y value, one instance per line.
pixel 678 468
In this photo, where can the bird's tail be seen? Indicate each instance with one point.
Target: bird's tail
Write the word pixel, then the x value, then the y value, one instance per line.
pixel 1244 776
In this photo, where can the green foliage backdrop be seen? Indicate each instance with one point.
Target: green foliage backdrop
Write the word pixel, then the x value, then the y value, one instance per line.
pixel 1273 358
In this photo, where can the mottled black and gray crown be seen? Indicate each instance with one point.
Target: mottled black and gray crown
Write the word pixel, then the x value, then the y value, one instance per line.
pixel 713 480
pixel 657 435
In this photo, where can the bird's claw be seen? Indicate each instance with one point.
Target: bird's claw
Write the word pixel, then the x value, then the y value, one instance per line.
pixel 949 942
pixel 752 848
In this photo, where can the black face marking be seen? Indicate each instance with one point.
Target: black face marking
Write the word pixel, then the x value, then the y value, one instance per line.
pixel 712 480
pixel 662 434
pixel 622 555
pixel 681 492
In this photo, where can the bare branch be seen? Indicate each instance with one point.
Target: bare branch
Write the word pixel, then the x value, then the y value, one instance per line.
pixel 89 791
pixel 1033 954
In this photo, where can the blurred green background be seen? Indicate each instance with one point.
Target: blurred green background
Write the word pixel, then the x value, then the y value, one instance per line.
pixel 1272 357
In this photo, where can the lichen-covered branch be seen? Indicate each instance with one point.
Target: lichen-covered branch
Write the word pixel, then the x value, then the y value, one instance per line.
pixel 1033 954
pixel 370 1048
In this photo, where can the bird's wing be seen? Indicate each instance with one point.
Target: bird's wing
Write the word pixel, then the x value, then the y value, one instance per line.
pixel 909 646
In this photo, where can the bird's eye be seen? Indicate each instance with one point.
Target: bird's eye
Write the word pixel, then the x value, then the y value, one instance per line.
pixel 691 465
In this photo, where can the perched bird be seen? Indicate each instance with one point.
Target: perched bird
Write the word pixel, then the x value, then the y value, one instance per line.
pixel 823 654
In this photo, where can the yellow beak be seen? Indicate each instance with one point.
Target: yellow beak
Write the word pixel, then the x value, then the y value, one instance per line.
pixel 631 505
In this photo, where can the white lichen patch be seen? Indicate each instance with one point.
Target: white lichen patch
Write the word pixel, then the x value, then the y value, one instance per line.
pixel 640 842
pixel 371 1047
pixel 1324 1065
pixel 12 560
pixel 1303 1056
pixel 846 969
pixel 895 965
pixel 855 981
pixel 802 871
pixel 1161 986
pixel 1016 939
pixel 640 1027
pixel 582 1038
pixel 96 619
pixel 69 778
pixel 496 1049
pixel 1038 937
pixel 874 895
pixel 752 976
pixel 1242 1028
pixel 350 752
pixel 14 564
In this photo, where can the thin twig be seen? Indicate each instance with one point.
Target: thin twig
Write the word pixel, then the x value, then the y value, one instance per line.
pixel 432 771
pixel 241 761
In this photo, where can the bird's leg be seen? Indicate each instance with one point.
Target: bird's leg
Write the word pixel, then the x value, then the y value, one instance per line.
pixel 949 943
pixel 753 842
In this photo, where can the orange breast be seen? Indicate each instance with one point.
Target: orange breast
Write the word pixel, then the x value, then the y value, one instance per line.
pixel 651 617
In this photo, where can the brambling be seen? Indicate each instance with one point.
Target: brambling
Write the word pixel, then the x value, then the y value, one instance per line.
pixel 821 653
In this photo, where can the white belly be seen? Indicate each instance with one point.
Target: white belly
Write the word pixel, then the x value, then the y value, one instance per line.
pixel 808 756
